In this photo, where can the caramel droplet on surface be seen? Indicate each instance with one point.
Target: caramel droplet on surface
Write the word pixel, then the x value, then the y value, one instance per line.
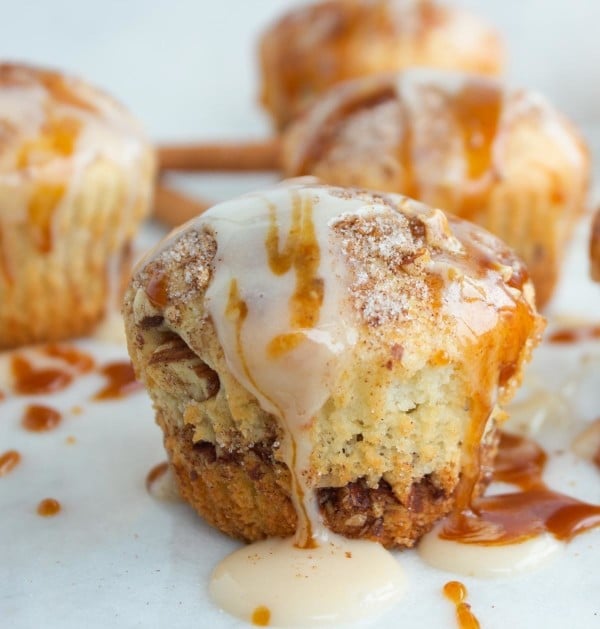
pixel 261 616
pixel 8 461
pixel 81 361
pixel 30 380
pixel 39 418
pixel 456 592
pixel 121 381
pixel 48 507
pixel 520 461
pixel 575 335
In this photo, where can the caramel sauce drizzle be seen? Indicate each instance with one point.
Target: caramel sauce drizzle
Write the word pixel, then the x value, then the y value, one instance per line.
pixel 575 335
pixel 237 311
pixel 121 381
pixel 156 290
pixel 481 408
pixel 301 252
pixel 261 616
pixel 82 362
pixel 30 380
pixel 57 138
pixel 516 517
pixel 520 461
pixel 8 461
pixel 39 418
pixel 456 592
pixel 477 110
pixel 157 472
pixel 49 507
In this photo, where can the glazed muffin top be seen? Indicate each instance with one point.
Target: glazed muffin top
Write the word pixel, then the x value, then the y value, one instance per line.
pixel 51 123
pixel 311 48
pixel 448 138
pixel 339 311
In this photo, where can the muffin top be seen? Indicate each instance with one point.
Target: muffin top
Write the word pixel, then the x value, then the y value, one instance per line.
pixel 449 138
pixel 293 277
pixel 50 124
pixel 313 47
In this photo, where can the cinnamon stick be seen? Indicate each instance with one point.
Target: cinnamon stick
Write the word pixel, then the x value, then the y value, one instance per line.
pixel 262 155
pixel 173 208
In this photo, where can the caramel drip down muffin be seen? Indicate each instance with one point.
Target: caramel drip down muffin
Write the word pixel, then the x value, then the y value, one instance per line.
pixel 76 175
pixel 314 47
pixel 505 159
pixel 320 356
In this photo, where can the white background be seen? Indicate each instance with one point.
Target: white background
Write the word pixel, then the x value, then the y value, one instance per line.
pixel 188 67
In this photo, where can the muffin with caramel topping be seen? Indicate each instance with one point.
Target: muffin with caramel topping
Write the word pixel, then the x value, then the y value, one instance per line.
pixel 76 177
pixel 329 357
pixel 505 159
pixel 311 48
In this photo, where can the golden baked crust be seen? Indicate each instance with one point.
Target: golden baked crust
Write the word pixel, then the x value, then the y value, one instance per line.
pixel 312 48
pixel 503 159
pixel 443 320
pixel 246 494
pixel 76 177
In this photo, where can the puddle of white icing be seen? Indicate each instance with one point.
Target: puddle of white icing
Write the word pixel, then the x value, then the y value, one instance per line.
pixel 477 560
pixel 340 581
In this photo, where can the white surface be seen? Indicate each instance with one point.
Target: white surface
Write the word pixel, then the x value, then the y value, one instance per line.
pixel 116 557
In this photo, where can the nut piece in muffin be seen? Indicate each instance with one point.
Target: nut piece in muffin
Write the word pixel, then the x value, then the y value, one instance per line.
pixel 328 357
pixel 311 48
pixel 76 177
pixel 505 159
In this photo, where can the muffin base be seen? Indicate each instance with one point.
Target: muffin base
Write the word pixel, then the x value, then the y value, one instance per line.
pixel 246 495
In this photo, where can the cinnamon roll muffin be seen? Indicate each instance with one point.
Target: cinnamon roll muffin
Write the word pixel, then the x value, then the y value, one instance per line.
pixel 313 47
pixel 505 159
pixel 76 175
pixel 329 355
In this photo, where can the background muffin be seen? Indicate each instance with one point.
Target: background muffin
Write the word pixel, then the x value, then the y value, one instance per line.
pixel 505 159
pixel 76 176
pixel 312 48
pixel 395 330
